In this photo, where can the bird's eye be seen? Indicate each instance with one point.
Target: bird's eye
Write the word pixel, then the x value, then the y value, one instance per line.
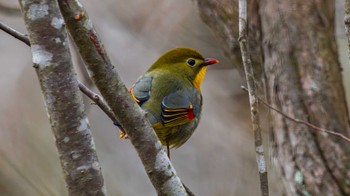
pixel 191 62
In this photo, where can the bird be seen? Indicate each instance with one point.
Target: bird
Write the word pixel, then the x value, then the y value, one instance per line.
pixel 170 94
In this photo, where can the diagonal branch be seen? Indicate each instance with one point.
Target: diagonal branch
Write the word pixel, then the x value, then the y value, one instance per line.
pixel 296 120
pixel 254 107
pixel 15 33
pixel 96 98
pixel 141 134
pixel 93 96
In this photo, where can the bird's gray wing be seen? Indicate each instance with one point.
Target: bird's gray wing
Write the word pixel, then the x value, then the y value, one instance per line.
pixel 177 109
pixel 140 91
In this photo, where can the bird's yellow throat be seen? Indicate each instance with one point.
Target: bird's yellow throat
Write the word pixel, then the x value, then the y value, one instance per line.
pixel 199 78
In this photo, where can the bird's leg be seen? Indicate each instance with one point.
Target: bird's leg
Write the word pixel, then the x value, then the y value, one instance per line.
pixel 168 149
pixel 122 133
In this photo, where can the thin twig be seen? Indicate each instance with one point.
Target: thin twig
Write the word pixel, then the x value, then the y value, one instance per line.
pixel 296 120
pixel 188 191
pixel 254 107
pixel 96 98
pixel 15 33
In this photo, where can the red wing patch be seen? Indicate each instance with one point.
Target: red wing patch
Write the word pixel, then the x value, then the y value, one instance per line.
pixel 175 117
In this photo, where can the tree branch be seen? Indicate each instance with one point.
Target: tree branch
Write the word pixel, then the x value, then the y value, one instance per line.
pixel 157 165
pixel 93 96
pixel 15 33
pixel 254 107
pixel 69 123
pixel 296 120
pixel 96 98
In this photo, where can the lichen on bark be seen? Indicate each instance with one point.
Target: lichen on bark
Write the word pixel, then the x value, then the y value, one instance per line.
pixel 69 124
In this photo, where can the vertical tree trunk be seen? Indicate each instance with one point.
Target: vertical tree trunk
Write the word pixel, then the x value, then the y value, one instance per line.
pixel 65 108
pixel 304 80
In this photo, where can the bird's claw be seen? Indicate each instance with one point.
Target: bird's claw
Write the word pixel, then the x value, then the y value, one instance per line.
pixel 122 134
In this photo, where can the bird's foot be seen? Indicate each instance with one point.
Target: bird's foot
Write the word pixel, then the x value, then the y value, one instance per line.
pixel 122 134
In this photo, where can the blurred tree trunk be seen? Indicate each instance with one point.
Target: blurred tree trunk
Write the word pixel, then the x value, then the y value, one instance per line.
pixel 305 81
pixel 222 17
pixel 303 78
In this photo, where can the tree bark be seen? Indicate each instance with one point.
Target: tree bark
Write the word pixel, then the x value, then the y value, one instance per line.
pixel 69 123
pixel 253 100
pixel 141 134
pixel 303 78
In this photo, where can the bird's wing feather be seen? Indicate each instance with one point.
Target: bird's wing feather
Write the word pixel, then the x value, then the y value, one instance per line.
pixel 140 91
pixel 177 109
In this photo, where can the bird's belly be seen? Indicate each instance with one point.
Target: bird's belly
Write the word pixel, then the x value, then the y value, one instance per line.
pixel 177 135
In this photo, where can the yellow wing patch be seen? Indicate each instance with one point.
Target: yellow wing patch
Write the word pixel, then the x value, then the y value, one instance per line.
pixel 133 96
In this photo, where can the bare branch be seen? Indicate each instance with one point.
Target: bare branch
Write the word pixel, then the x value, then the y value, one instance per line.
pixel 314 127
pixel 69 123
pixel 93 96
pixel 254 107
pixel 157 165
pixel 15 33
pixel 96 98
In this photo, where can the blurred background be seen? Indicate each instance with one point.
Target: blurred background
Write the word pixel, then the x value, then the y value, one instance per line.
pixel 219 159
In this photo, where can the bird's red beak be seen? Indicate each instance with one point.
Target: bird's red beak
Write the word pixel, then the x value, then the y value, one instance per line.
pixel 209 61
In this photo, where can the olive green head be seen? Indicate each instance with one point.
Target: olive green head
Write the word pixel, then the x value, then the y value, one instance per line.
pixel 185 61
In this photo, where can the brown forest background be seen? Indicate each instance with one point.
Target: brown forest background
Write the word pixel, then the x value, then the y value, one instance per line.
pixel 218 160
